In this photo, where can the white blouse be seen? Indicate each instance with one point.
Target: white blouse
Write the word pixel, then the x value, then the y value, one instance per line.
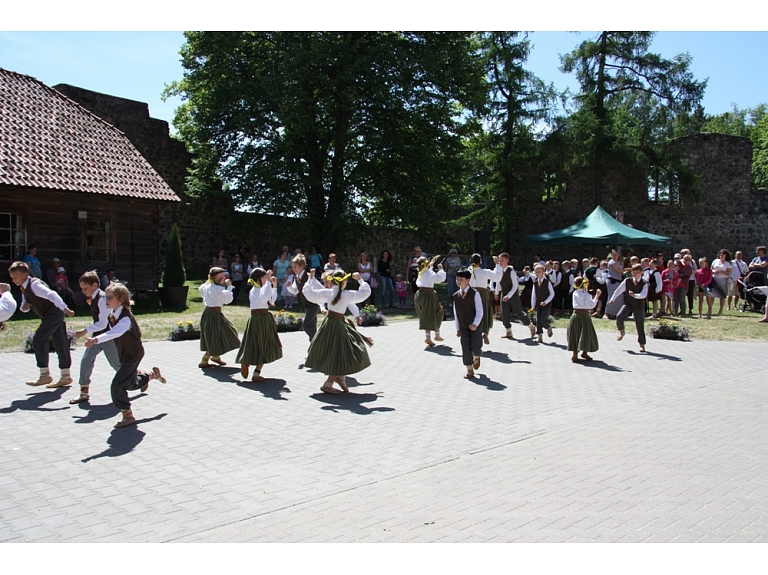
pixel 429 278
pixel 316 293
pixel 260 297
pixel 583 300
pixel 215 295
pixel 365 270
pixel 481 277
pixel 7 306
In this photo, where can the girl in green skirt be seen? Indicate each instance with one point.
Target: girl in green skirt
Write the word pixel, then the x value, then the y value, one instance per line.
pixel 337 350
pixel 581 332
pixel 261 343
pixel 425 301
pixel 217 334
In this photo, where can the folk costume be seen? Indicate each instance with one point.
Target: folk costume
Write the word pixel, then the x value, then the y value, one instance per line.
pixel 98 307
pixel 427 304
pixel 509 286
pixel 543 292
pixel 580 332
pixel 7 306
pixel 632 306
pixel 217 334
pixel 49 307
pixel 126 333
pixel 479 282
pixel 613 279
pixel 260 344
pixel 309 325
pixel 337 348
pixel 468 310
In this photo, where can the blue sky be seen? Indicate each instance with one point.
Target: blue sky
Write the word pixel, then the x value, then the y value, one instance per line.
pixel 137 65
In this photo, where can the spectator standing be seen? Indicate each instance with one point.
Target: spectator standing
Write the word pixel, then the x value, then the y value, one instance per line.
pixel 451 265
pixel 108 278
pixel 384 268
pixel 236 272
pixel 35 268
pixel 254 263
pixel 738 271
pixel 721 268
pixel 681 291
pixel 688 259
pixel 243 250
pixel 331 265
pixel 221 262
pixel 50 273
pixel 62 287
pixel 365 269
pixel 704 281
pixel 760 262
pixel 280 267
pixel 412 268
pixel 315 261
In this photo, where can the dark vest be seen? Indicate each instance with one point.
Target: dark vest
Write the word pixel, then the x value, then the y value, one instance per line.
pixel 465 307
pixel 41 306
pixel 542 291
pixel 634 303
pixel 300 283
pixel 506 281
pixel 651 281
pixel 129 347
pixel 557 274
pixel 94 306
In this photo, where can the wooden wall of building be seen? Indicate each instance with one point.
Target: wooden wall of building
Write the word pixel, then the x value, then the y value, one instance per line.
pixel 53 225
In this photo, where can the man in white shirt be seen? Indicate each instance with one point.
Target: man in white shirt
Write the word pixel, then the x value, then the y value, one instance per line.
pixel 738 269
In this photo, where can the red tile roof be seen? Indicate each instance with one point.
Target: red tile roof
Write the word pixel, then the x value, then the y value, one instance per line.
pixel 49 141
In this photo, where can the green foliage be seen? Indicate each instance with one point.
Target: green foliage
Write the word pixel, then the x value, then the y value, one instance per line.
pixel 760 154
pixel 174 274
pixel 344 128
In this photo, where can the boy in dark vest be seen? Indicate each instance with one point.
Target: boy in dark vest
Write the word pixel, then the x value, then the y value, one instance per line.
pixel 300 277
pixel 127 337
pixel 467 316
pixel 89 285
pixel 51 310
pixel 541 300
pixel 635 291
pixel 509 296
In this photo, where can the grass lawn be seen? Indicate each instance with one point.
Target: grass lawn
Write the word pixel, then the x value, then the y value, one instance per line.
pixel 156 323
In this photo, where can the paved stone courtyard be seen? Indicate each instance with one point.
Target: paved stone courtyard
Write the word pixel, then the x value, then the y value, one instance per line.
pixel 666 446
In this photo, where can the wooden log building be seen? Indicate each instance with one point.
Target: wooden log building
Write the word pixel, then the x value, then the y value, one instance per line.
pixel 74 186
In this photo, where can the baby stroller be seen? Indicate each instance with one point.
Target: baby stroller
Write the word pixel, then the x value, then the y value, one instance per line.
pixel 754 292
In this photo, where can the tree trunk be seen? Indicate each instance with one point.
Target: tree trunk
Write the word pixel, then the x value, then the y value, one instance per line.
pixel 600 113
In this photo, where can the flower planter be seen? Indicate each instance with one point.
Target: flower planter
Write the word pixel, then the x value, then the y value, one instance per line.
pixel 173 297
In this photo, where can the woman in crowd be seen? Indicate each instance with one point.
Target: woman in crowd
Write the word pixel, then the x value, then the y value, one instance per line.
pixel 236 273
pixel 280 269
pixel 220 262
pixel 615 276
pixel 721 268
pixel 384 268
pixel 365 269
pixel 451 265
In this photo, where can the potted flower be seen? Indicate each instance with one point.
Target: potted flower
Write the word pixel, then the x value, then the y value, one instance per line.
pixel 184 331
pixel 372 317
pixel 26 345
pixel 666 330
pixel 287 321
pixel 173 294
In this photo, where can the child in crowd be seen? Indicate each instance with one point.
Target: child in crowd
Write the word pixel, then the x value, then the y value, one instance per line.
pixel 62 286
pixel 217 334
pixel 402 290
pixel 126 334
pixel 670 280
pixel 260 344
pixel 704 278
pixel 288 297
pixel 525 294
pixel 51 310
pixel 97 303
pixel 468 317
pixel 655 283
pixel 7 305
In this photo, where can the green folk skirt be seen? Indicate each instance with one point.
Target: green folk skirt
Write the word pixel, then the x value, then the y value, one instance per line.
pixel 261 344
pixel 217 334
pixel 428 309
pixel 487 323
pixel 337 349
pixel 581 334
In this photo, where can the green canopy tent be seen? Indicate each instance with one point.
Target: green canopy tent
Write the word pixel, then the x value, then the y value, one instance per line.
pixel 598 228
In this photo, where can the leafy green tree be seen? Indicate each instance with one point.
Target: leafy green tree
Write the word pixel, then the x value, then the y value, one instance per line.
pixel 614 65
pixel 343 128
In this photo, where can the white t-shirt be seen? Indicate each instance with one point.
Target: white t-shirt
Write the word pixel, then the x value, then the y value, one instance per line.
pixel 738 269
pixel 721 266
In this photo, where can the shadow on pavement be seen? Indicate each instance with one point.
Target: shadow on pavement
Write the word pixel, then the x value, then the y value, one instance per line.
pixel 351 402
pixel 224 374
pixel 487 382
pixel 271 388
pixel 36 401
pixel 501 357
pixel 653 354
pixel 352 382
pixel 441 350
pixel 125 440
pixel 95 412
pixel 599 364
